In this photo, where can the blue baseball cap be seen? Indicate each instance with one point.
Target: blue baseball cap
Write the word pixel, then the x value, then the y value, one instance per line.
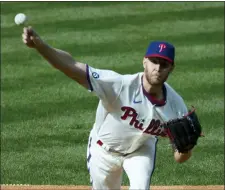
pixel 161 49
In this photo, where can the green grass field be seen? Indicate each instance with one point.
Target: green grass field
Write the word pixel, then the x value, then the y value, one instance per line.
pixel 46 117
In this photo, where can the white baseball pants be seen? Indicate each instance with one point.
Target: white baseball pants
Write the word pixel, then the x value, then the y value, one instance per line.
pixel 106 168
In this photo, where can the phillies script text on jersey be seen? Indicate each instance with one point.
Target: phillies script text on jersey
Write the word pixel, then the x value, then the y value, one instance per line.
pixel 153 128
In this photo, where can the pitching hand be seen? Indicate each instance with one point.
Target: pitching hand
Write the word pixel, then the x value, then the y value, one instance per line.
pixel 31 38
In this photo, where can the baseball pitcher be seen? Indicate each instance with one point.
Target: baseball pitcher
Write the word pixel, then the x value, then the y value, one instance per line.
pixel 133 111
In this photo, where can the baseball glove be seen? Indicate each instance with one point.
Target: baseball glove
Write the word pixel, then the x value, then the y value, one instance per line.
pixel 184 132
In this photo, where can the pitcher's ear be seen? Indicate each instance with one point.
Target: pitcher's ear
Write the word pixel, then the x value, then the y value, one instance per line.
pixel 145 61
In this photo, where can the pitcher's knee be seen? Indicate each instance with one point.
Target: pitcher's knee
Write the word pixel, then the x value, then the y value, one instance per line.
pixel 142 184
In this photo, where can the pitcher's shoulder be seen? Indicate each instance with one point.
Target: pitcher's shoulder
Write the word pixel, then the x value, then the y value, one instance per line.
pixel 130 79
pixel 173 94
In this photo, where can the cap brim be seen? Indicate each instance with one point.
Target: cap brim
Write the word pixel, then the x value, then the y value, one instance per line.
pixel 161 56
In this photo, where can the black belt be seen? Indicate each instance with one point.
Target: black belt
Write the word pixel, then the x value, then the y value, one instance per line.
pixel 106 147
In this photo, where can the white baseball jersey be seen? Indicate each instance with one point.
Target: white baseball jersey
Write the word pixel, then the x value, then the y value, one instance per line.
pixel 126 115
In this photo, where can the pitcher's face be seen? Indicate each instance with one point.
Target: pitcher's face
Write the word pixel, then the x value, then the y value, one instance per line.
pixel 157 70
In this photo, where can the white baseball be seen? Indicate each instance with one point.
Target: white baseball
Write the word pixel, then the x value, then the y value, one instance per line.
pixel 20 18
